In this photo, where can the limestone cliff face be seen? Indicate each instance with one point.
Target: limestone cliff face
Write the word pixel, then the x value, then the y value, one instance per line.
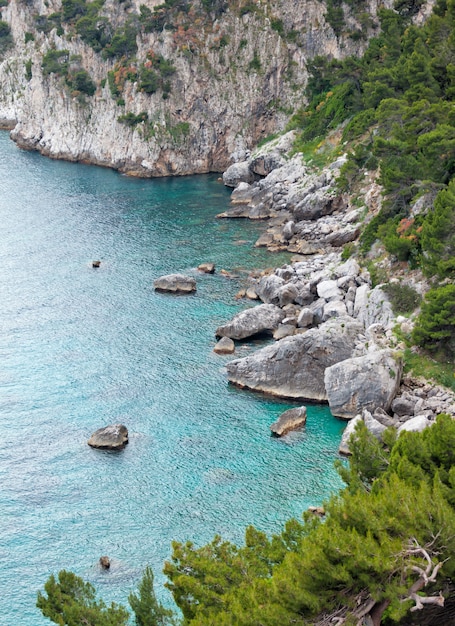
pixel 238 76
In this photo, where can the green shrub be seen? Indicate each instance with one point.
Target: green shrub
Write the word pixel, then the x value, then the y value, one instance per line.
pixel 255 63
pixel 55 62
pixel 123 43
pixel 81 81
pixel 435 326
pixel 132 120
pixel 94 31
pixel 29 37
pixel 28 69
pixel 149 81
pixel 438 235
pixel 6 39
pixel 73 8
pixel 403 298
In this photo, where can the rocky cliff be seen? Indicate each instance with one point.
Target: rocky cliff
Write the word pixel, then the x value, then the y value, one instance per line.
pixel 159 90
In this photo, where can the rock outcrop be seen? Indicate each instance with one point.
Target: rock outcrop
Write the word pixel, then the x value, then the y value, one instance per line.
pixel 294 367
pixel 113 437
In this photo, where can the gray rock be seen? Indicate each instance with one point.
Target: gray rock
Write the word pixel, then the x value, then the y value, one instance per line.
pixel 266 163
pixel 350 268
pixel 259 319
pixel 305 295
pixel 238 173
pixel 175 283
pixel 334 309
pixel 268 288
pixel 293 419
pixel 113 437
pixel 284 330
pixel 416 424
pixel 242 194
pixel 224 346
pixel 294 366
pixel 287 294
pixel 347 433
pixel 364 382
pixel 383 417
pixel 372 306
pixel 342 237
pixel 403 406
pixel 305 318
pixel 251 294
pixel 288 230
pixel 373 425
pixel 329 290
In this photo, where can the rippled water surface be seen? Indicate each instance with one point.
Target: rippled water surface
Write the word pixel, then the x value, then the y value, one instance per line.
pixel 81 348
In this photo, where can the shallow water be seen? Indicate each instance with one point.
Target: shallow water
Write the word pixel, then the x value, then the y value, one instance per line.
pixel 81 348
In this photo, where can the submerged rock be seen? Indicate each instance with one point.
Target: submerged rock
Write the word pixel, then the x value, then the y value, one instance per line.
pixel 293 419
pixel 175 283
pixel 111 437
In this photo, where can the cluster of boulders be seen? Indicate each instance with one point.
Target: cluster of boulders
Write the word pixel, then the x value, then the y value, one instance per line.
pixel 306 212
pixel 334 332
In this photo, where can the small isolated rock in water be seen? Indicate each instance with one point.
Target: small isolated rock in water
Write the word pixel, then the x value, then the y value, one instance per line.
pixel 224 346
pixel 111 437
pixel 293 419
pixel 175 283
pixel 207 268
pixel 105 562
pixel 96 263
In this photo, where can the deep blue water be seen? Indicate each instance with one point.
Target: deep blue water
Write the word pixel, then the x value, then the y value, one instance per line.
pixel 81 348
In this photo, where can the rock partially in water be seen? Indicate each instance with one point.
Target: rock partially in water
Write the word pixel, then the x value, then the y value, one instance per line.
pixel 294 366
pixel 105 562
pixel 259 319
pixel 293 419
pixel 238 173
pixel 113 437
pixel 175 283
pixel 224 346
pixel 207 268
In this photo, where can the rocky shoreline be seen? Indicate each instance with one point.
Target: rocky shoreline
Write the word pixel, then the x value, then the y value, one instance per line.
pixel 334 332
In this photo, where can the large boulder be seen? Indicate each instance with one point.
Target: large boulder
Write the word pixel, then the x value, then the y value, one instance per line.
pixel 293 419
pixel 364 382
pixel 175 283
pixel 264 318
pixel 268 288
pixel 113 437
pixel 238 173
pixel 294 366
pixel 372 306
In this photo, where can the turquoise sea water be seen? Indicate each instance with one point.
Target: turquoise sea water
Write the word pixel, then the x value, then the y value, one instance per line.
pixel 81 348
